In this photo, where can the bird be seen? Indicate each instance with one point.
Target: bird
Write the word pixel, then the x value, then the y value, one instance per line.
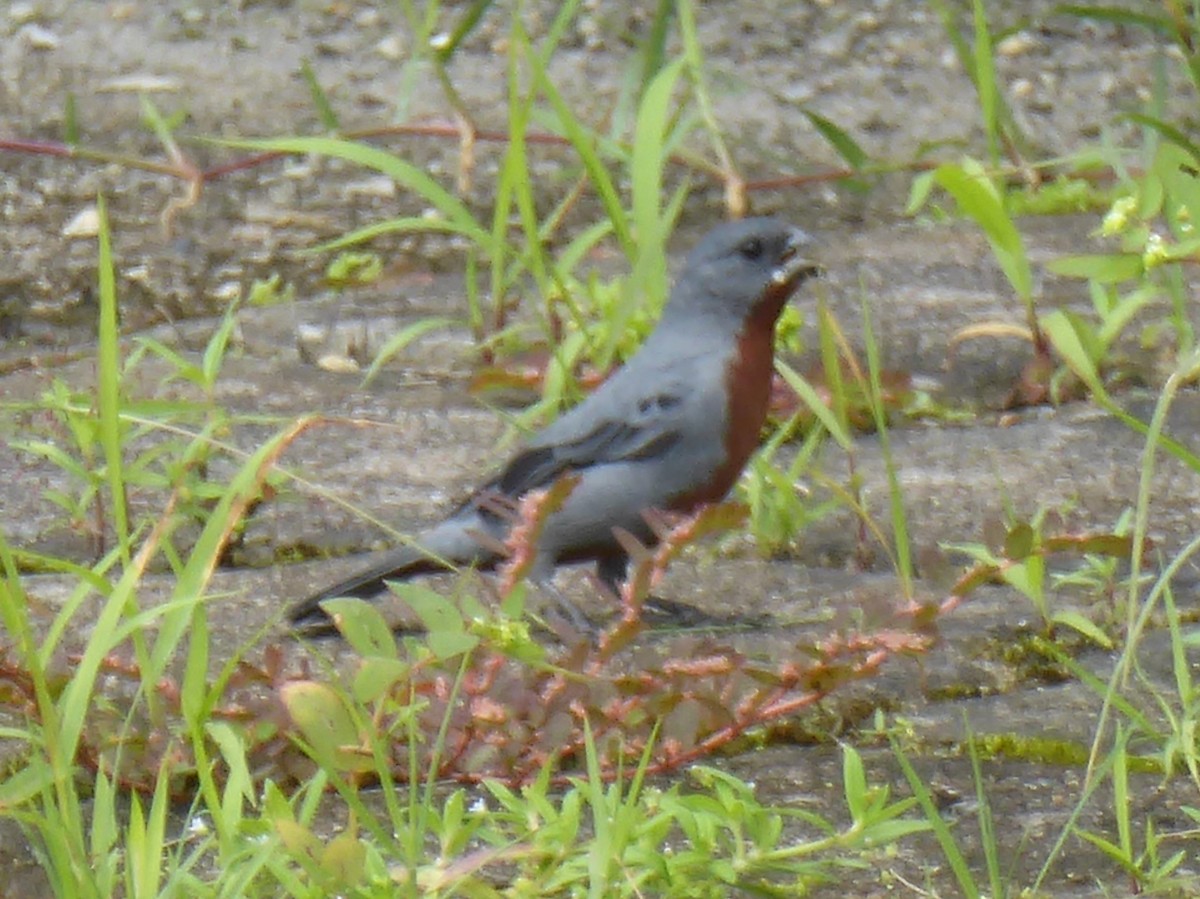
pixel 671 430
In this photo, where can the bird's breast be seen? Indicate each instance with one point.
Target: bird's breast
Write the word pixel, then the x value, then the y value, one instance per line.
pixel 746 392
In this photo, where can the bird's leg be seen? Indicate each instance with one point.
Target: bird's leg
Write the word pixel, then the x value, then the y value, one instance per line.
pixel 612 571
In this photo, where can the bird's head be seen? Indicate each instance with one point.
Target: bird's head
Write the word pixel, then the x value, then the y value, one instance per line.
pixel 743 268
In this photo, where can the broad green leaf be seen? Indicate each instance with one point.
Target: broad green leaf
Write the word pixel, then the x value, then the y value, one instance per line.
pixel 363 626
pixel 326 724
pixel 376 677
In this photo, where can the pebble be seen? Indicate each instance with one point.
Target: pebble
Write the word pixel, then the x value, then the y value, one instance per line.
pixel 141 82
pixel 20 13
pixel 227 291
pixel 368 18
pixel 391 48
pixel 85 223
pixel 1017 44
pixel 337 363
pixel 37 37
pixel 379 187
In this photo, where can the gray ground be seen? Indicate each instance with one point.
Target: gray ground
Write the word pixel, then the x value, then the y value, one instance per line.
pixel 881 70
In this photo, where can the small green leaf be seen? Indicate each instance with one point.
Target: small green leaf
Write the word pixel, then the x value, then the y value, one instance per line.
pixel 299 841
pixel 1019 542
pixel 376 677
pixel 349 269
pixel 449 644
pixel 435 611
pixel 1060 330
pixel 343 860
pixel 845 145
pixel 320 99
pixel 233 751
pixel 442 619
pixel 854 782
pixel 918 193
pixel 1078 622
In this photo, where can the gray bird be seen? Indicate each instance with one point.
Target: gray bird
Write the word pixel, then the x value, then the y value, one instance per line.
pixel 671 430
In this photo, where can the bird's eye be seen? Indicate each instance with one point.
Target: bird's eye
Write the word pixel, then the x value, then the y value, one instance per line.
pixel 751 248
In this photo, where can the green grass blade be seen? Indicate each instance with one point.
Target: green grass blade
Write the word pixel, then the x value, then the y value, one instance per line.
pixel 686 11
pixel 1063 336
pixel 521 183
pixel 648 159
pixel 653 50
pixel 108 383
pixel 941 830
pixel 462 29
pixel 320 99
pixel 403 173
pixel 558 29
pixel 900 535
pixel 854 155
pixel 816 405
pixel 584 142
pixel 108 399
pixel 1117 16
pixel 397 342
pixel 245 486
pixel 1171 132
pixel 985 81
pixel 159 125
pixel 70 121
pixel 404 225
pixel 987 829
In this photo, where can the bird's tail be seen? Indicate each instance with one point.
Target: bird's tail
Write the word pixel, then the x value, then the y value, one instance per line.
pixel 450 544
pixel 397 565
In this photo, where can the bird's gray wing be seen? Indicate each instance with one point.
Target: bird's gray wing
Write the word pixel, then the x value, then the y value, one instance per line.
pixel 645 427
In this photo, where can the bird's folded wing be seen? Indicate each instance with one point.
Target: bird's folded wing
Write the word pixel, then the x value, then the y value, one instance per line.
pixel 648 429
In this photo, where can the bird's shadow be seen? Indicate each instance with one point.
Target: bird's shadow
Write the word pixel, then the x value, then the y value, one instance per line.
pixel 671 614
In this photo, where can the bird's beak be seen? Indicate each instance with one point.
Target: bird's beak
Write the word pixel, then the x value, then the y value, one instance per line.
pixel 795 265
